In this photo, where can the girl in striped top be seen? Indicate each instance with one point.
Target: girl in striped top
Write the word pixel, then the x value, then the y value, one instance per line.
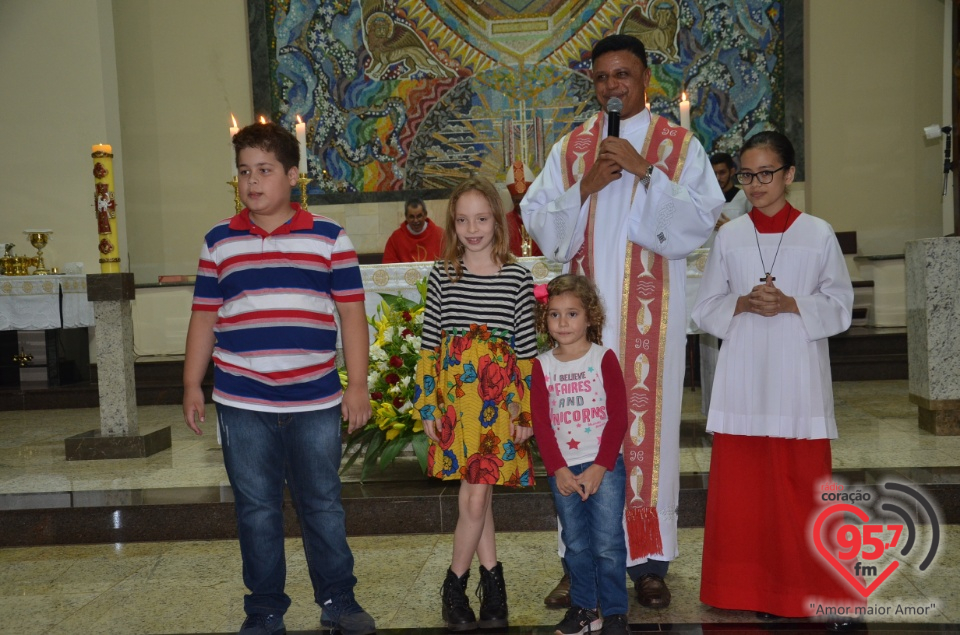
pixel 473 387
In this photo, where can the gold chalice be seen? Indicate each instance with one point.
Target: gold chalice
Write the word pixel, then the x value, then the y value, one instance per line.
pixel 39 239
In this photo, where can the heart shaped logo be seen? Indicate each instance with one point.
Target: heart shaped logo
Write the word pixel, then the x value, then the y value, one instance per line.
pixel 865 591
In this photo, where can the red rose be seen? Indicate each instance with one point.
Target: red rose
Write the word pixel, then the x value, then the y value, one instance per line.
pixel 376 396
pixel 448 424
pixel 482 469
pixel 493 380
pixel 457 346
pixel 391 378
pixel 396 362
pixel 406 332
pixel 398 402
pixel 406 316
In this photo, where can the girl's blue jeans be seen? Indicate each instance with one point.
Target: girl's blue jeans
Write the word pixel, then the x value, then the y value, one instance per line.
pixel 596 554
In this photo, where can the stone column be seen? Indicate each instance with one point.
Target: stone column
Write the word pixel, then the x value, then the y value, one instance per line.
pixel 933 332
pixel 119 434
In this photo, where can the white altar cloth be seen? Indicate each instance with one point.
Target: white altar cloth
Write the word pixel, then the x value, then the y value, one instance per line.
pixel 32 303
pixel 401 279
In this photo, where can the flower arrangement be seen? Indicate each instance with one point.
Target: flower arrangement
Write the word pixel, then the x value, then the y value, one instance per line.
pixel 391 380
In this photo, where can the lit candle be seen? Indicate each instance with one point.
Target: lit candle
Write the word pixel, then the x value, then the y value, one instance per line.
pixel 234 129
pixel 302 140
pixel 105 206
pixel 685 112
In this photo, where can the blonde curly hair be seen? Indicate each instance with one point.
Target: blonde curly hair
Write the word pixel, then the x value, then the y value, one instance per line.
pixel 585 291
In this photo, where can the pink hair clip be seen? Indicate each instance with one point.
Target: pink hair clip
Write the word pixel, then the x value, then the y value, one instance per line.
pixel 540 293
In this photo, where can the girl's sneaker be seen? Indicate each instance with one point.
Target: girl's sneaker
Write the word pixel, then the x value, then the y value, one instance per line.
pixel 615 625
pixel 578 621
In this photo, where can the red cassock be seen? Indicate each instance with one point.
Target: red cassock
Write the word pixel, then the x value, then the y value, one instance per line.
pixel 758 552
pixel 403 246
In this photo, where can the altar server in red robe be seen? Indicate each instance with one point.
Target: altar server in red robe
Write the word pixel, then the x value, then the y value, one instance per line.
pixel 775 288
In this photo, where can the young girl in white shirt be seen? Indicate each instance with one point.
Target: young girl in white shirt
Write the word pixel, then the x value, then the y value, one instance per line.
pixel 579 407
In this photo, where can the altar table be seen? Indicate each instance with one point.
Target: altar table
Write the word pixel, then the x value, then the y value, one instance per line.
pixel 34 303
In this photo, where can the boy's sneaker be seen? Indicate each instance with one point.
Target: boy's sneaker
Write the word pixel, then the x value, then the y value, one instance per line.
pixel 615 625
pixel 259 624
pixel 578 621
pixel 342 614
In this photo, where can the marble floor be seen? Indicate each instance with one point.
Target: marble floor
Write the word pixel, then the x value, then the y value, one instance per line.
pixel 195 587
pixel 877 424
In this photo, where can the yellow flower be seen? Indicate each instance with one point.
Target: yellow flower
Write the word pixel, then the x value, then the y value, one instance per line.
pixel 417 426
pixel 386 410
pixel 392 433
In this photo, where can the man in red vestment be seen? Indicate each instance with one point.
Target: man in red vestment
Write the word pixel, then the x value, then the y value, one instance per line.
pixel 417 239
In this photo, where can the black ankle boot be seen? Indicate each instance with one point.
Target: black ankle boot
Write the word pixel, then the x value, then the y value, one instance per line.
pixel 492 592
pixel 457 614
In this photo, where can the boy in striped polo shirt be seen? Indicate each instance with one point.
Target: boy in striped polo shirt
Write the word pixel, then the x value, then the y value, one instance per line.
pixel 269 283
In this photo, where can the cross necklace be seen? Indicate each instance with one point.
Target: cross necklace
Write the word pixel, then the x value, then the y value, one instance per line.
pixel 767 277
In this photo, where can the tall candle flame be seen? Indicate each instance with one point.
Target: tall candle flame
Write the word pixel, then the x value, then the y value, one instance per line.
pixel 299 120
pixel 262 119
pixel 684 98
pixel 234 121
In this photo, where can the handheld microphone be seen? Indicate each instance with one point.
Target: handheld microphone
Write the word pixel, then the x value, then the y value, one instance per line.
pixel 614 106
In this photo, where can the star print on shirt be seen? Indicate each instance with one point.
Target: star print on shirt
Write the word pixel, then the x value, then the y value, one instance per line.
pixel 573 444
pixel 590 369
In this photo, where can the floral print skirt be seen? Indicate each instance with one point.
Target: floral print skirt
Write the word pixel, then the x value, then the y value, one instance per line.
pixel 473 385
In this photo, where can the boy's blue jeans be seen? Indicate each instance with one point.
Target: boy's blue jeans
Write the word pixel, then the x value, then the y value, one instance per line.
pixel 596 553
pixel 261 451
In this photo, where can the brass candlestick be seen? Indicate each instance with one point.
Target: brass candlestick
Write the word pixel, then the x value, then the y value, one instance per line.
pixel 23 358
pixel 303 180
pixel 237 204
pixel 526 245
pixel 39 239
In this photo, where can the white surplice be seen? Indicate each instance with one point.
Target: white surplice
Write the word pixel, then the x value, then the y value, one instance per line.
pixel 773 375
pixel 669 218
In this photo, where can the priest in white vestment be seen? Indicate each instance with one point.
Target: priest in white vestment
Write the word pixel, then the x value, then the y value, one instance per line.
pixel 610 207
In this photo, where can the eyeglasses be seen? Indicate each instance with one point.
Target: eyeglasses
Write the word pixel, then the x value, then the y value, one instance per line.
pixel 745 178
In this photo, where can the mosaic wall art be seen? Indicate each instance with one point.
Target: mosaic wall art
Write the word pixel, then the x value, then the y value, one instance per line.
pixel 417 94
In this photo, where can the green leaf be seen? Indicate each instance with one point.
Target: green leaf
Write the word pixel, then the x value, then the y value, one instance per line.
pixel 391 450
pixel 356 442
pixel 398 302
pixel 421 445
pixel 351 459
pixel 372 454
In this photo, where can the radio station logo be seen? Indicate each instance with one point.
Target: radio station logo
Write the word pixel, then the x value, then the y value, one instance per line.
pixel 867 534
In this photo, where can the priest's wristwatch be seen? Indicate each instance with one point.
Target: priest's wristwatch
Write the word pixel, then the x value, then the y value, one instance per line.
pixel 646 177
